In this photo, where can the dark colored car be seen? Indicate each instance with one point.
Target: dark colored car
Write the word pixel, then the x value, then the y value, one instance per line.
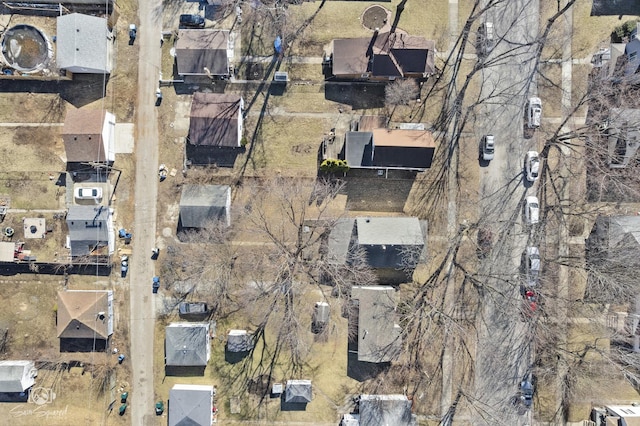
pixel 191 21
pixel 526 392
pixel 485 242
pixel 187 309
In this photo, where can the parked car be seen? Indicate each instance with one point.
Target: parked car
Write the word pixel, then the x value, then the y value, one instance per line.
pixel 534 112
pixel 487 148
pixel 187 309
pixel 191 21
pixel 532 265
pixel 485 242
pixel 532 165
pixel 486 37
pixel 526 392
pixel 532 210
pixel 531 302
pixel 85 193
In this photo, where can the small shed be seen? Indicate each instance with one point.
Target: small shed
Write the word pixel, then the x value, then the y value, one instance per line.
pixel 298 391
pixel 239 341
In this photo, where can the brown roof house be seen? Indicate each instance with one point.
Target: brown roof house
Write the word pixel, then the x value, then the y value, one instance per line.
pixel 215 128
pixel 384 56
pixel 85 319
pixel 89 136
pixel 400 149
pixel 203 52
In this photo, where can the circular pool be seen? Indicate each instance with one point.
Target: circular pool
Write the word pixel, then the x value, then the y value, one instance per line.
pixel 25 48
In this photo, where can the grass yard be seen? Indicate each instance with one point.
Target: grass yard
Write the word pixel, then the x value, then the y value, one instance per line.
pixel 549 89
pixel 293 152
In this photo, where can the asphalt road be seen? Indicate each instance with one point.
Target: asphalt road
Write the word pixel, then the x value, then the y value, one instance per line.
pixel 504 352
pixel 142 316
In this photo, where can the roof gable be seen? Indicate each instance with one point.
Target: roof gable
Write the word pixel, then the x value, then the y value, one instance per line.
pixel 85 314
pixel 216 120
pixel 82 135
pixel 298 391
pixel 200 204
pixel 187 345
pixel 16 376
pixel 83 43
pixel 200 49
pixel 190 405
pixel 378 335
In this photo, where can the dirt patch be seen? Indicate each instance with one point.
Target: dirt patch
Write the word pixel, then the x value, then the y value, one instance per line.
pixel 376 17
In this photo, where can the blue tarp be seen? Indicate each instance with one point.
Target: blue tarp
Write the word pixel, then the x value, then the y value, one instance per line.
pixel 278 45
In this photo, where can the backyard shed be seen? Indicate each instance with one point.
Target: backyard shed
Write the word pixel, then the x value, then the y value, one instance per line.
pixel 298 391
pixel 239 341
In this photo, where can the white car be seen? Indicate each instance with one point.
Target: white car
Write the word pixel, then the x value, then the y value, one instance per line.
pixel 488 148
pixel 532 265
pixel 532 210
pixel 89 193
pixel 534 113
pixel 532 165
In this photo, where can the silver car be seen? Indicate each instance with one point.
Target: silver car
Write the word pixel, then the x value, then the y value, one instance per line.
pixel 488 148
pixel 532 210
pixel 534 112
pixel 532 165
pixel 532 265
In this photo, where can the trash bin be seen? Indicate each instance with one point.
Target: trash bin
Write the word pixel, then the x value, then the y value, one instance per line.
pixel 124 396
pixel 122 409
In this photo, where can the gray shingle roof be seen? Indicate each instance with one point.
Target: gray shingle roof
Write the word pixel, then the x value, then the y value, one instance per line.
pixel 200 204
pixel 387 239
pixel 88 227
pixel 384 410
pixel 187 345
pixel 16 376
pixel 298 391
pixel 378 334
pixel 190 405
pixel 83 44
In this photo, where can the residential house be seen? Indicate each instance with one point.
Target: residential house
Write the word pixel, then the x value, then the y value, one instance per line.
pixel 392 246
pixel 203 52
pixel 616 415
pixel 378 337
pixel 383 149
pixel 610 233
pixel 298 392
pixel 215 128
pixel 91 234
pixel 187 345
pixel 84 319
pixel 17 376
pixel 384 56
pixel 384 410
pixel 89 136
pixel 201 205
pixel 623 139
pixel 84 44
pixel 191 405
